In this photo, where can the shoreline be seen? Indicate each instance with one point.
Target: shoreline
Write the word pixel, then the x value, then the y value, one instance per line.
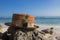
pixel 41 26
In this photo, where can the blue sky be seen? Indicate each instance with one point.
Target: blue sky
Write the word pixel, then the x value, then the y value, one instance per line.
pixel 33 7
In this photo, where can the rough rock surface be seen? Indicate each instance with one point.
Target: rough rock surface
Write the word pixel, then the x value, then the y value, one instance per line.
pixel 22 34
pixel 14 33
pixel 48 34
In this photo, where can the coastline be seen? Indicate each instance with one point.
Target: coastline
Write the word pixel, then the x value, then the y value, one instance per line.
pixel 41 26
pixel 44 26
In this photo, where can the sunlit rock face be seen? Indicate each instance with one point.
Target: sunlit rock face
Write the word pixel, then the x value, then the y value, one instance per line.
pixel 3 28
pixel 49 37
pixel 49 34
pixel 23 34
pixel 58 37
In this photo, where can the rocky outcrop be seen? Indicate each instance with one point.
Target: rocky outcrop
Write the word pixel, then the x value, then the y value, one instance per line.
pixel 22 34
pixel 15 33
pixel 48 34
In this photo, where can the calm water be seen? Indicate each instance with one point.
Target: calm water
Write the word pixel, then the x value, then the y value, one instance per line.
pixel 48 21
pixel 37 20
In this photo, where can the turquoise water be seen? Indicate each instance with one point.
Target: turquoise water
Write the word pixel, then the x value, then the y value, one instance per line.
pixel 37 20
pixel 4 20
pixel 48 20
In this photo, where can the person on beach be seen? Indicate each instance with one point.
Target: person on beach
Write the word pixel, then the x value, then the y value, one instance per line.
pixel 22 28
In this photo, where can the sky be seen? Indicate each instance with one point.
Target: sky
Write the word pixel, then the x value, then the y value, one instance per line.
pixel 32 7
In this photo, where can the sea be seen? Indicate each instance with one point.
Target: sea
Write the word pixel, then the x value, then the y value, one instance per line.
pixel 41 22
pixel 38 20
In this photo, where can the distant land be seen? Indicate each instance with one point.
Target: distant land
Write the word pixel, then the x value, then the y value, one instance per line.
pixel 48 17
pixel 5 17
pixel 35 17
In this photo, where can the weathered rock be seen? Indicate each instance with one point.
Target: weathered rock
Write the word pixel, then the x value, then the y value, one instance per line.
pixel 49 37
pixel 15 33
pixel 58 37
pixel 23 34
pixel 45 31
pixel 48 34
